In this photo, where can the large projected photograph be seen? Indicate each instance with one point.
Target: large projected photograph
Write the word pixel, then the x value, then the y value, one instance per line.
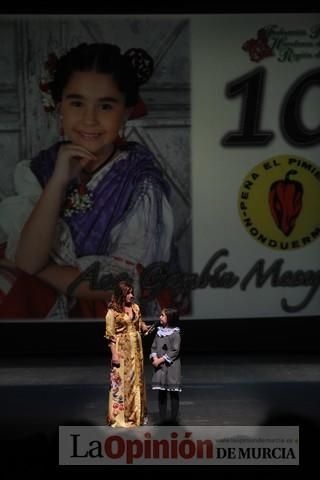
pixel 95 163
pixel 192 172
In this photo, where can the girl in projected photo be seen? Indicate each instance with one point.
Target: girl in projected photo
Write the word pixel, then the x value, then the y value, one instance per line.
pixel 92 197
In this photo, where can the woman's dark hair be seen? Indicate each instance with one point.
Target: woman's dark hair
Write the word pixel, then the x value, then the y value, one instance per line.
pixel 128 70
pixel 172 316
pixel 120 292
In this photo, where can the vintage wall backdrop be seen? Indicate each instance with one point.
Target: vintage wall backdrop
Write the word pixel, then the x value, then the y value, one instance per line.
pixel 25 127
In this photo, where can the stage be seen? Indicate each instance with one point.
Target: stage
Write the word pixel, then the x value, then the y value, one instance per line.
pixel 39 393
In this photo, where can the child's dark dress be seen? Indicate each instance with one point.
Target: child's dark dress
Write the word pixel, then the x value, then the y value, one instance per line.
pixel 166 344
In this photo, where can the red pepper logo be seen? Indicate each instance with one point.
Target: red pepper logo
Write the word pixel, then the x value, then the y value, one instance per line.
pixel 285 201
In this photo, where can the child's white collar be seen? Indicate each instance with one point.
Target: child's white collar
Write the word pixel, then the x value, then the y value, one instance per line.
pixel 165 331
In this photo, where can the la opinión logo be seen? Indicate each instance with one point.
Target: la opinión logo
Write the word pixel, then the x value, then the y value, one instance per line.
pixel 139 447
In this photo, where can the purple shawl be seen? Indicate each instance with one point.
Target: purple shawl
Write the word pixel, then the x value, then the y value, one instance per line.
pixel 111 197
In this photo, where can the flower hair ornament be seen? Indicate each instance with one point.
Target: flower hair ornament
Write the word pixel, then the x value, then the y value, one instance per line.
pixel 140 60
pixel 46 80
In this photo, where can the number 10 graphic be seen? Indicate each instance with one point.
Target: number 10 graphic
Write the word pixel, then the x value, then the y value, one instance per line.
pixel 251 87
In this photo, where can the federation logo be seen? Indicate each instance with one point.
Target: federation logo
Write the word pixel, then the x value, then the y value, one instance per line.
pixel 279 202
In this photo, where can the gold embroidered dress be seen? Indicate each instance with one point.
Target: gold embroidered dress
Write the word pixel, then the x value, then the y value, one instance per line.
pixel 127 395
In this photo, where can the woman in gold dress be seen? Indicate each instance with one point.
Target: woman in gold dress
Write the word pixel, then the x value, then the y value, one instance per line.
pixel 124 326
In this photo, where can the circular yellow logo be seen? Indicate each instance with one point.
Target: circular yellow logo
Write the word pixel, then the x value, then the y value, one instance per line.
pixel 279 202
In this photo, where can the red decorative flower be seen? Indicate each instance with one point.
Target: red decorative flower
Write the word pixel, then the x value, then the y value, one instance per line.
pixel 258 48
pixel 82 189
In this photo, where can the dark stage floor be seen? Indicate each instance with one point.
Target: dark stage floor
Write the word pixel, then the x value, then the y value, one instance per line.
pixel 40 393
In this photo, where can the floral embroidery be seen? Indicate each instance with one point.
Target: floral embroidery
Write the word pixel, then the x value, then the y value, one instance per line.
pixel 115 379
pixel 117 398
pixel 78 200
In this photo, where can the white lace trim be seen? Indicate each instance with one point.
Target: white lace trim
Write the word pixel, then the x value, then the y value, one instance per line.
pixel 166 331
